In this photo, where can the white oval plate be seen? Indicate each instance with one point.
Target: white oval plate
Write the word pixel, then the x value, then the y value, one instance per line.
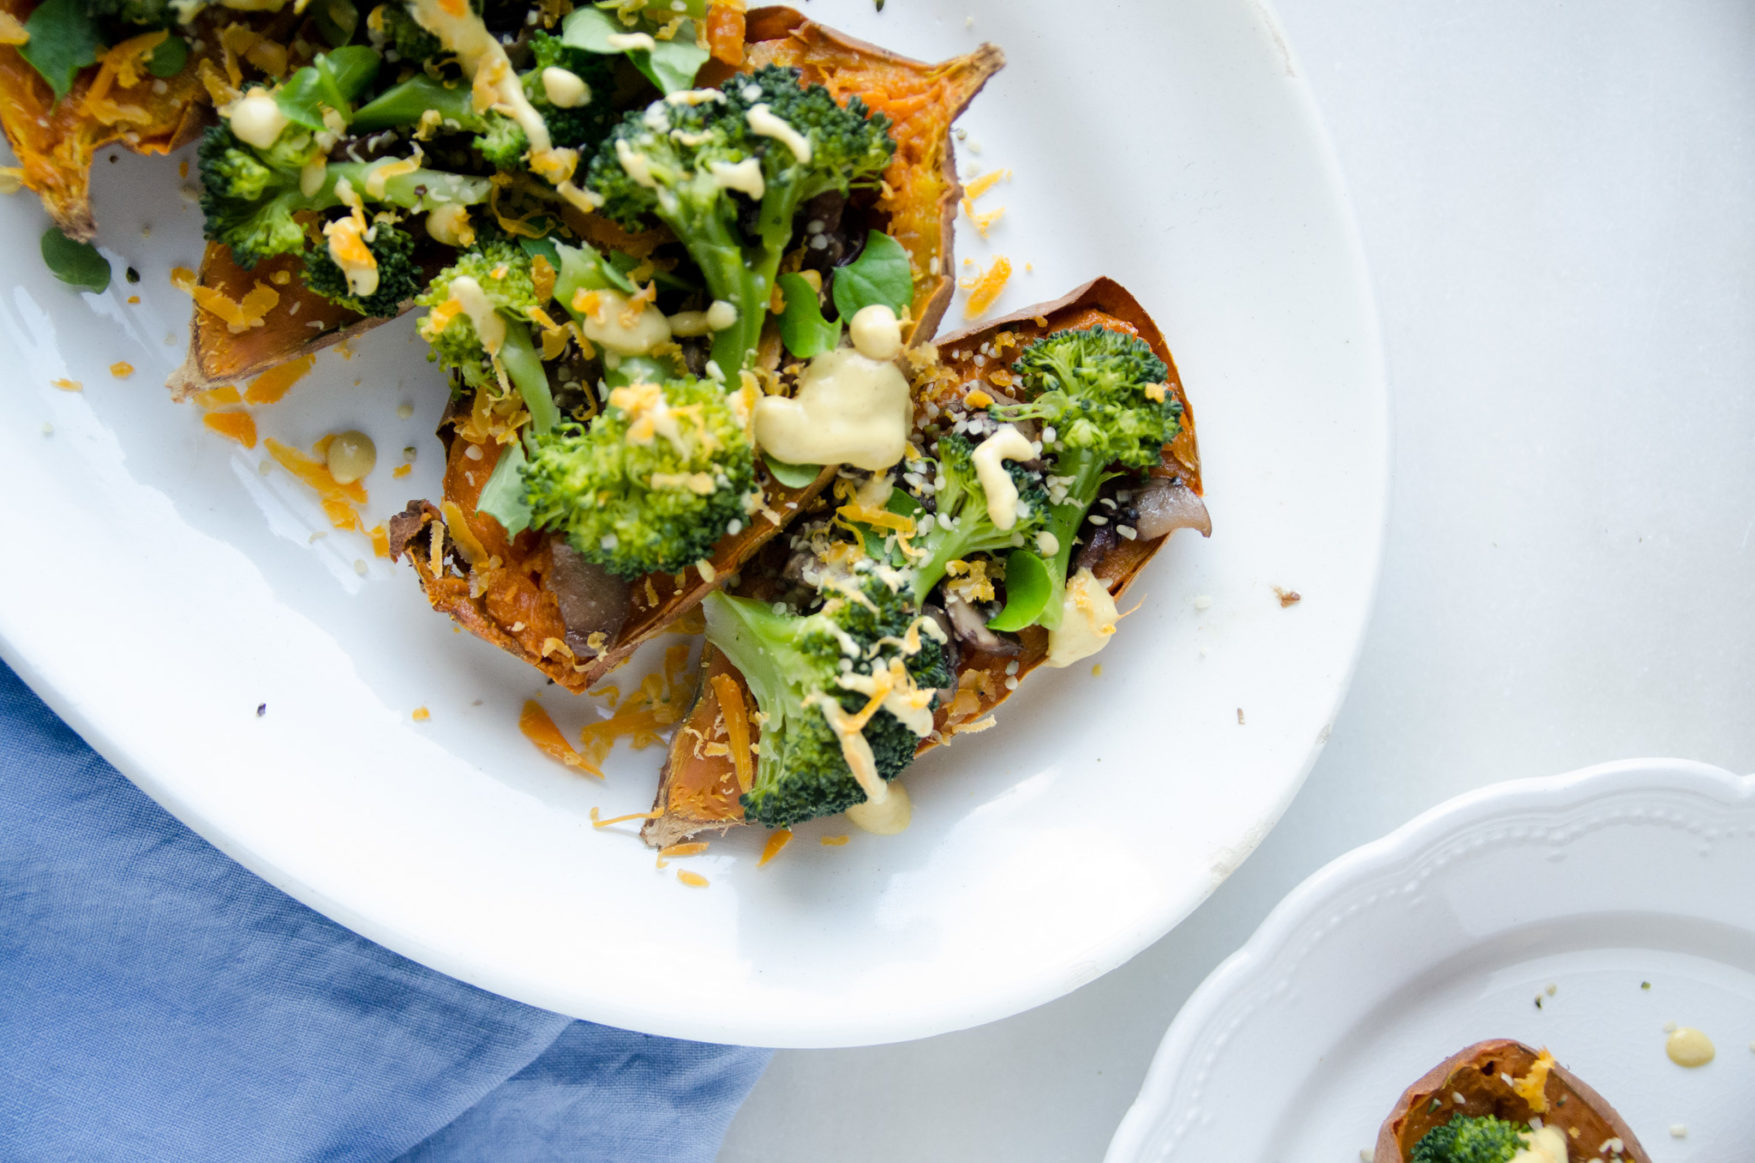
pixel 1449 931
pixel 162 587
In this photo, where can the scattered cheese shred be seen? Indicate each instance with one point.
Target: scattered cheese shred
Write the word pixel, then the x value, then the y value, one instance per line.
pixel 272 384
pixel 421 715
pixel 777 839
pixel 978 399
pixel 221 397
pixel 68 385
pixel 737 727
pixel 537 727
pixel 657 705
pixel 832 841
pixel 692 879
pixel 986 287
pixel 121 369
pixel 236 426
pixel 380 540
pixel 1533 1086
pixel 457 525
pixel 596 822
pixel 12 31
pixel 690 848
pixel 338 499
pixel 238 315
pixel 401 471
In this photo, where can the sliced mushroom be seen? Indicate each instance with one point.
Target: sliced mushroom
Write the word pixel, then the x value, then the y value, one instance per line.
pixel 969 626
pixel 592 600
pixel 1166 505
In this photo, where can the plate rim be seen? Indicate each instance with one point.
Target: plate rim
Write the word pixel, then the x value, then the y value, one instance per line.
pixel 1375 859
pixel 1374 470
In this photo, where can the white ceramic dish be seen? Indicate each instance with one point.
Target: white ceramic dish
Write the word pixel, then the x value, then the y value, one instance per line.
pixel 168 588
pixel 1448 932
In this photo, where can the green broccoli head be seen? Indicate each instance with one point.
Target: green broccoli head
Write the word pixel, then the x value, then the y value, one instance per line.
pixel 584 125
pixel 1469 1139
pixel 1102 399
pixel 394 28
pixel 803 668
pixel 764 138
pixel 399 278
pixel 495 268
pixel 651 484
pixel 1093 387
pixel 252 200
pixel 138 13
pixel 961 522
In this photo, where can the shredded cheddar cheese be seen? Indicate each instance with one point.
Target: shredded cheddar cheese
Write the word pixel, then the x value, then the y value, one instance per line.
pixel 692 879
pixel 1532 1087
pixel 67 385
pixel 540 729
pixel 737 728
pixel 236 426
pixel 338 500
pixel 12 31
pixel 271 385
pixel 224 396
pixel 777 840
pixel 121 369
pixel 690 848
pixel 596 822
pixel 421 715
pixel 658 704
pixel 833 841
pixel 380 540
pixel 986 287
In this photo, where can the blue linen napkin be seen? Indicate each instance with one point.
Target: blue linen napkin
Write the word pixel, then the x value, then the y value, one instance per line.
pixel 160 1002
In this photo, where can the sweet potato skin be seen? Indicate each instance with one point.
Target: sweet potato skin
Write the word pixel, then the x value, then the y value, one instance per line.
pixel 1480 1074
pixel 937 94
pixel 694 792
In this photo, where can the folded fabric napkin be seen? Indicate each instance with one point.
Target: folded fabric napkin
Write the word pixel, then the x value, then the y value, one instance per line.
pixel 160 1002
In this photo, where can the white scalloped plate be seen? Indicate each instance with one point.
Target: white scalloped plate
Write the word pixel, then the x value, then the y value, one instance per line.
pixel 161 587
pixel 1447 932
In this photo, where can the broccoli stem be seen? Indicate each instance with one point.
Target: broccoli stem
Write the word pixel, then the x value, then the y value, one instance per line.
pixel 1064 521
pixel 523 364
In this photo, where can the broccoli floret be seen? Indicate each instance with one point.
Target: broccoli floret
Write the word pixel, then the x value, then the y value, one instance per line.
pixel 137 13
pixel 651 484
pixel 1103 395
pixel 578 127
pixel 394 28
pixel 399 279
pixel 961 523
pixel 494 271
pixel 1468 1139
pixel 680 162
pixel 805 668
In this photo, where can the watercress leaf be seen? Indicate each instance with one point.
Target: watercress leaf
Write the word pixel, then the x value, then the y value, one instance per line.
pixel 880 274
pixel 793 476
pixel 802 326
pixel 78 264
pixel 63 40
pixel 502 498
pixel 544 246
pixel 168 59
pixel 331 82
pixel 672 64
pixel 1027 589
pixel 336 21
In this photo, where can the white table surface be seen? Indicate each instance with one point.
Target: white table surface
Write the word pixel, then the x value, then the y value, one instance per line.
pixel 1557 201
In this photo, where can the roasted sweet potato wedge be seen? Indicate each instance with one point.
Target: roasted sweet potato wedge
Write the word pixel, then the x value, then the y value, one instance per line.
pixel 698 789
pixel 117 102
pixel 1511 1081
pixel 510 591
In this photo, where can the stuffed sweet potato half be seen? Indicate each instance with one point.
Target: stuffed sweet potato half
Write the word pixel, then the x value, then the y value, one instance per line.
pixel 1052 454
pixel 1495 1100
pixel 789 225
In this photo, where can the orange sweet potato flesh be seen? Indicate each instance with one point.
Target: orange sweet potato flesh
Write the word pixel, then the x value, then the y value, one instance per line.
pixel 922 100
pixel 696 790
pixel 1483 1076
pixel 56 140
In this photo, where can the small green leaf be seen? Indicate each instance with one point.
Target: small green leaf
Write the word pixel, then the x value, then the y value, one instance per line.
pixel 336 21
pixel 502 498
pixel 671 65
pixel 793 476
pixel 1027 589
pixel 63 40
pixel 78 264
pixel 168 59
pixel 332 81
pixel 802 326
pixel 880 274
